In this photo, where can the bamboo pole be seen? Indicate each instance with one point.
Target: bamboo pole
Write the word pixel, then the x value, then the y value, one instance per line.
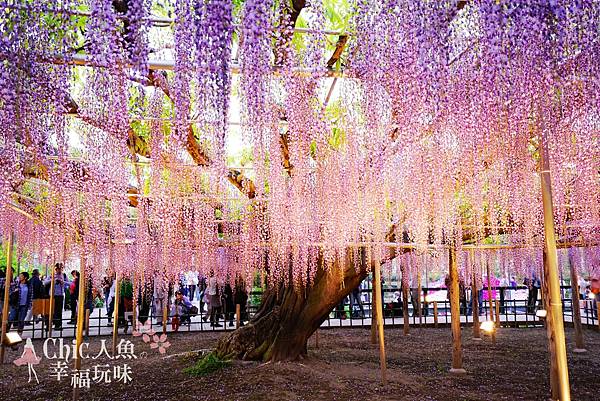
pixel 457 360
pixel 579 344
pixel 80 321
pixel 9 254
pixel 382 360
pixel 237 316
pixel 556 331
pixel 116 314
pixel 435 314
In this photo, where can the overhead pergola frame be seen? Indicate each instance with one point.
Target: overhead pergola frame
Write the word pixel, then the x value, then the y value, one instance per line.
pixel 156 78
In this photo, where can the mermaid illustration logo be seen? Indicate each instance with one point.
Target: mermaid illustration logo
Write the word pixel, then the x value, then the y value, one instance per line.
pixel 30 358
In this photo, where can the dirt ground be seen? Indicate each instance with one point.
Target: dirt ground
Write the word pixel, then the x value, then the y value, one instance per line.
pixel 344 367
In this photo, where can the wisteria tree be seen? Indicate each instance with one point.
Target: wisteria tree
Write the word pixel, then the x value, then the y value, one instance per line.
pixel 364 127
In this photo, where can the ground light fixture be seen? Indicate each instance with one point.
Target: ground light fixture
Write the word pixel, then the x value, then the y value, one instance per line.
pixel 12 339
pixel 488 326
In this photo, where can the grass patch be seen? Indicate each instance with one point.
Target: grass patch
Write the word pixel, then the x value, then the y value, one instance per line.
pixel 207 365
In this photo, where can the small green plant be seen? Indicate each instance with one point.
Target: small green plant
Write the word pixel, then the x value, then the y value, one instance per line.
pixel 207 365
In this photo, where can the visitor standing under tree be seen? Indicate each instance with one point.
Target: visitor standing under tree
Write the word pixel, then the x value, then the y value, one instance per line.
pixel 59 294
pixel 20 299
pixel 73 292
pixel 212 291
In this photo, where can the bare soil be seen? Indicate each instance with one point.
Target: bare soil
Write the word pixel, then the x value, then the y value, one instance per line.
pixel 344 367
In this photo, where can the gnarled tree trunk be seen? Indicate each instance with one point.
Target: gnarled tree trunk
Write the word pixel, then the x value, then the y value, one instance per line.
pixel 288 316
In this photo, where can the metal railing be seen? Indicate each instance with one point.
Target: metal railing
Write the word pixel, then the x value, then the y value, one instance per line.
pixel 512 313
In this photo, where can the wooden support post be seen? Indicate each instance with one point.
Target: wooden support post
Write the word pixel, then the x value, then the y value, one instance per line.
pixel 497 308
pixel 87 322
pixel 543 291
pixel 579 344
pixel 489 290
pixel 116 315
pixel 165 304
pixel 80 320
pixel 419 291
pixel 405 282
pixel 435 314
pixel 9 252
pixel 555 328
pixel 237 316
pixel 134 314
pixel 382 360
pixel 374 302
pixel 475 304
pixel 51 306
pixel 457 362
pixel 548 323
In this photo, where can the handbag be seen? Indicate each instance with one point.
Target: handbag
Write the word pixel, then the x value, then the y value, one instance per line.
pixel 193 310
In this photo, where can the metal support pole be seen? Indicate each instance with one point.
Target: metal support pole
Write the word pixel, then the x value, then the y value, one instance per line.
pixel 556 331
pixel 9 252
